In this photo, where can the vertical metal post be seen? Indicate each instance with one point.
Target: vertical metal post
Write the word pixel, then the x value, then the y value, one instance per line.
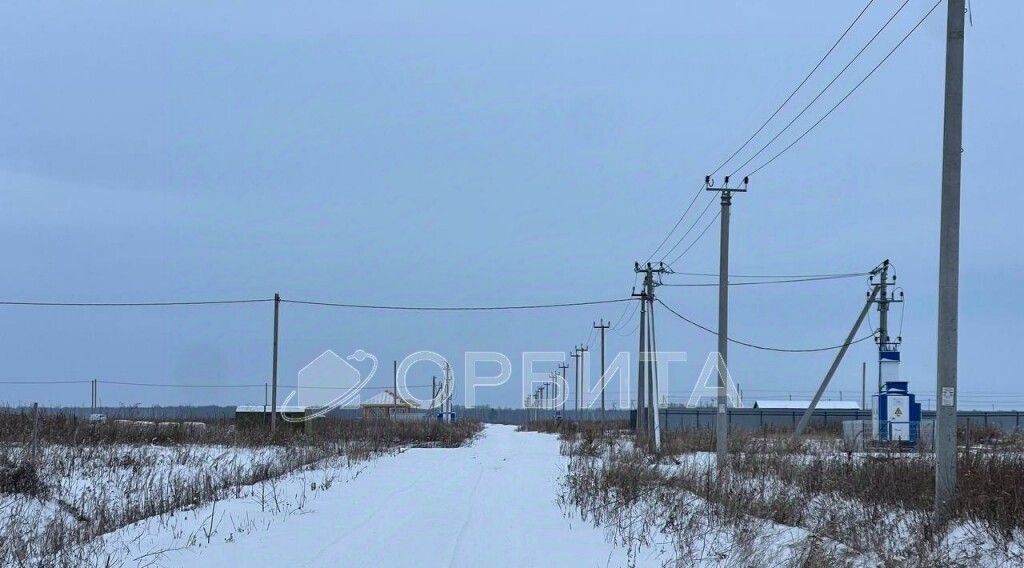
pixel 949 266
pixel 394 387
pixel 864 385
pixel 581 385
pixel 273 376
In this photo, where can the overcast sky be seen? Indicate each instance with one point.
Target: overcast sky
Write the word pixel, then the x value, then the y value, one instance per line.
pixel 454 153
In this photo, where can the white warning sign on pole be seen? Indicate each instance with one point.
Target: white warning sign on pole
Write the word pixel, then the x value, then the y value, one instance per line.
pixel 948 396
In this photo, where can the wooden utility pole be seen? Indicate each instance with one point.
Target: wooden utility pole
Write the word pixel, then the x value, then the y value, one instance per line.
pixel 949 266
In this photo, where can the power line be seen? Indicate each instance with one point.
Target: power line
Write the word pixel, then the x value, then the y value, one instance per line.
pixel 308 302
pixel 624 322
pixel 825 88
pixel 694 224
pixel 456 308
pixel 761 282
pixel 699 236
pixel 761 128
pixel 834 274
pixel 760 347
pixel 854 89
pixel 798 87
pixel 72 382
pixel 676 226
pixel 134 304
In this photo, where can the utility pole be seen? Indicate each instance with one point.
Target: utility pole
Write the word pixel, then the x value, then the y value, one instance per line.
pixel 949 266
pixel 394 387
pixel 887 346
pixel 580 388
pixel 640 420
pixel 603 327
pixel 722 422
pixel 565 382
pixel 647 419
pixel 576 368
pixel 805 419
pixel 273 376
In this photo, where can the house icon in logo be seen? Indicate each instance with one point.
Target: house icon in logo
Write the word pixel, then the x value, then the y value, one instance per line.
pixel 330 379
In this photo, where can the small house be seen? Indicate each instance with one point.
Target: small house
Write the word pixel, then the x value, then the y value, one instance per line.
pixel 387 405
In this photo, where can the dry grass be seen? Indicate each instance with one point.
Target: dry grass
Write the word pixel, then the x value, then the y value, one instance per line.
pixel 851 507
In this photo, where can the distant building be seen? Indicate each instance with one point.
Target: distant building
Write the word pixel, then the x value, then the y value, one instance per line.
pixel 386 405
pixel 803 404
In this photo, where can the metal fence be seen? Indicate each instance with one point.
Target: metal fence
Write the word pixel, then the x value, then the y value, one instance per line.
pixel 677 418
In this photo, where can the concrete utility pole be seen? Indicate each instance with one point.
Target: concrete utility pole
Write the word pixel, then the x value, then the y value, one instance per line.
pixel 640 419
pixel 886 344
pixel 273 376
pixel 576 369
pixel 647 420
pixel 603 327
pixel 835 365
pixel 580 388
pixel 565 382
pixel 949 266
pixel 722 422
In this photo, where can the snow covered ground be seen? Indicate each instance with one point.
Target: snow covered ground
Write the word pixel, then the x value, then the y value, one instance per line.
pixel 492 503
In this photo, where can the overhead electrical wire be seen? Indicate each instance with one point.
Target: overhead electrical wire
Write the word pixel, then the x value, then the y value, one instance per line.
pixel 456 308
pixel 624 322
pixel 311 303
pixel 676 226
pixel 824 89
pixel 761 347
pixel 692 225
pixel 854 89
pixel 763 125
pixel 759 282
pixel 134 304
pixel 696 240
pixel 798 87
pixel 827 275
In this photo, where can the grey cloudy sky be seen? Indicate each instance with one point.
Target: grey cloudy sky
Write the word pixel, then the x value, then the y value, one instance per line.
pixel 481 153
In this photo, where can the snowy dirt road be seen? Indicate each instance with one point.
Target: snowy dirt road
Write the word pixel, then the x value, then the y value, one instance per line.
pixel 492 503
